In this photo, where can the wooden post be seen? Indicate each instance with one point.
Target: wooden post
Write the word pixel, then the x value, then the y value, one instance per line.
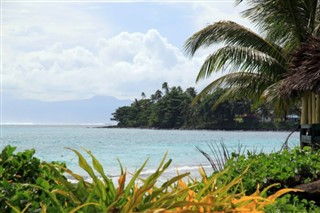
pixel 313 112
pixel 317 108
pixel 309 108
pixel 304 109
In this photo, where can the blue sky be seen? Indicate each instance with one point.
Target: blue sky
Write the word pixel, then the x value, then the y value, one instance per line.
pixel 55 50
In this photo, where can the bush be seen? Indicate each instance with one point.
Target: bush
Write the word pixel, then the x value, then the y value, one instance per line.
pixel 17 173
pixel 292 204
pixel 288 168
pixel 49 191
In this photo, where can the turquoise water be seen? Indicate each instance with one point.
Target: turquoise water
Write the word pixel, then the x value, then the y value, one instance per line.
pixel 134 146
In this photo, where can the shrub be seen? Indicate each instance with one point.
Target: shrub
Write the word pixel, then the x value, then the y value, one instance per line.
pixel 52 192
pixel 288 168
pixel 16 172
pixel 292 204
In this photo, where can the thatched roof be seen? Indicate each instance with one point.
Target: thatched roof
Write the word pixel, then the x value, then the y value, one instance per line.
pixel 304 70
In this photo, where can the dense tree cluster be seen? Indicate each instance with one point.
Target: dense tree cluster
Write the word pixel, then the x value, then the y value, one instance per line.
pixel 172 108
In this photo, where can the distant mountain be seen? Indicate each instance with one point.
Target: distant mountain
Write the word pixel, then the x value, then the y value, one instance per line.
pixel 94 110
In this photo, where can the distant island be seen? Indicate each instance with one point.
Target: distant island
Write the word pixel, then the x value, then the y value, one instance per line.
pixel 175 108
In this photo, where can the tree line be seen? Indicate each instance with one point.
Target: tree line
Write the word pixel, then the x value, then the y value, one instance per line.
pixel 175 108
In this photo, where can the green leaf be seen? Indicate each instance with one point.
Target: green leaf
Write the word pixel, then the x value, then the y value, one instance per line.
pixel 84 164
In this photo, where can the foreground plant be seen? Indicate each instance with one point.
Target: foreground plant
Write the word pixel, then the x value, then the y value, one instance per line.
pixel 17 170
pixel 289 168
pixel 214 195
pixel 104 196
pixel 178 194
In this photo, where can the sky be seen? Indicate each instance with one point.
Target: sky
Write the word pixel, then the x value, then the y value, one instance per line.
pixel 72 50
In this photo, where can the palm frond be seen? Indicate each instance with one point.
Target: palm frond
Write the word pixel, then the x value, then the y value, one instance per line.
pixel 239 85
pixel 288 22
pixel 272 95
pixel 231 33
pixel 316 31
pixel 248 85
pixel 241 58
pixel 256 64
pixel 312 7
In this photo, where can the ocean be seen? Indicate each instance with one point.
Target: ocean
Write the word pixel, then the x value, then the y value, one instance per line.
pixel 133 146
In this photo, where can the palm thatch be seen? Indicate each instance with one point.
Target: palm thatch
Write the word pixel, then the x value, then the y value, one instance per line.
pixel 304 70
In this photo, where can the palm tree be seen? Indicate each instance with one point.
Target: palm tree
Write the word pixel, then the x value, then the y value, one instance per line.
pixel 165 87
pixel 143 95
pixel 255 65
pixel 287 22
pixel 156 96
pixel 252 62
pixel 191 92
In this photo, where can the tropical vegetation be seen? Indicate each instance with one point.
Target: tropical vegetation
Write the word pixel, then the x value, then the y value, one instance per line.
pixel 44 188
pixel 289 168
pixel 248 182
pixel 256 62
pixel 174 108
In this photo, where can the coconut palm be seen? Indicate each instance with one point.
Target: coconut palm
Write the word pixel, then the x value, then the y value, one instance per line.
pixel 254 65
pixel 287 22
pixel 165 87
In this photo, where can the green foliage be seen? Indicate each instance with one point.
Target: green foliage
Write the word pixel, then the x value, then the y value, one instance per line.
pixel 289 23
pixel 254 66
pixel 171 110
pixel 102 195
pixel 18 172
pixel 292 204
pixel 177 109
pixel 134 195
pixel 288 168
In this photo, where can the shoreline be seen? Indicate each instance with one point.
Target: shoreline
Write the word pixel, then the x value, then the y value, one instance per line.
pixel 110 126
pixel 203 129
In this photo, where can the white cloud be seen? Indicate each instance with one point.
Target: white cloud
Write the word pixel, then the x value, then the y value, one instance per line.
pixel 121 66
pixel 29 26
pixel 62 51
